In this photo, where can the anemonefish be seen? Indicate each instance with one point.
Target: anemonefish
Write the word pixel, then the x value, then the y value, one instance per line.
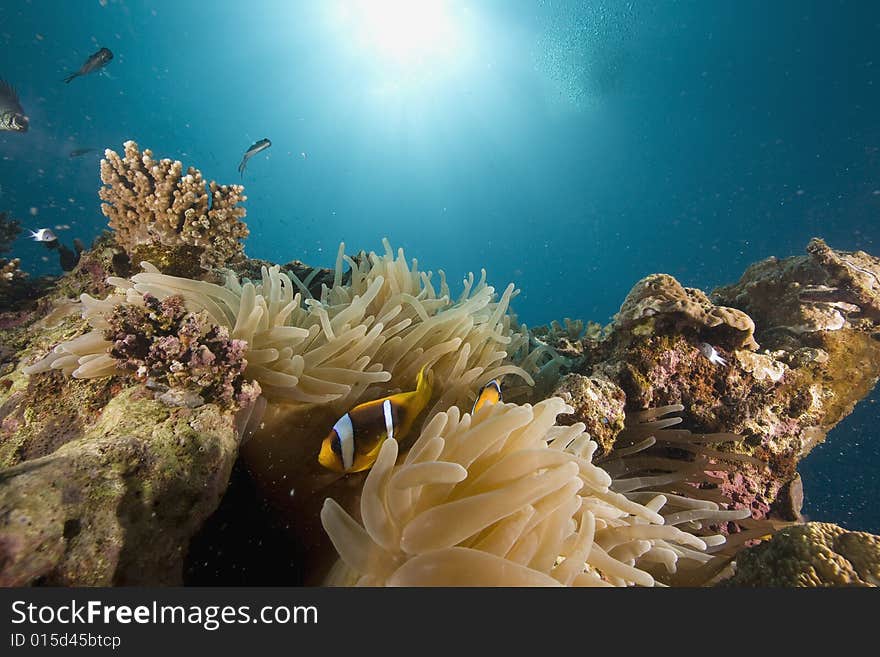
pixel 489 394
pixel 353 443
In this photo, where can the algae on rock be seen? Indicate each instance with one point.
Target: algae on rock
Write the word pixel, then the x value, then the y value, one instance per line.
pixel 118 504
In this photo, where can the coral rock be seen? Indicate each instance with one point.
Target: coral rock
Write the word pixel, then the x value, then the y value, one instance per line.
pixel 166 217
pixel 814 554
pixel 826 290
pixel 598 403
pixel 822 359
pixel 118 504
pixel 660 297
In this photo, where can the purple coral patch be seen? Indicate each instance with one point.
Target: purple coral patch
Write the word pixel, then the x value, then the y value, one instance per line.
pixel 173 349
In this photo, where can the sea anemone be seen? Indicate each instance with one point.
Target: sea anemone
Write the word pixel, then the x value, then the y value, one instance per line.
pixel 504 498
pixel 381 327
pixel 652 458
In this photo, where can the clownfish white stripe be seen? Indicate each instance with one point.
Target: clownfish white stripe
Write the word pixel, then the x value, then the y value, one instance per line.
pixel 345 431
pixel 389 421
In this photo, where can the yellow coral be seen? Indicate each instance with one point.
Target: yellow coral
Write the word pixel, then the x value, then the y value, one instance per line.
pixel 814 554
pixel 661 294
pixel 158 212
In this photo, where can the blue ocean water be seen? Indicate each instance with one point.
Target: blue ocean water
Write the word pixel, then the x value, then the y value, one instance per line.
pixel 570 147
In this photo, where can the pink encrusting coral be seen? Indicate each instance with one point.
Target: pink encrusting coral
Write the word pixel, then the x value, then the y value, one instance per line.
pixel 179 353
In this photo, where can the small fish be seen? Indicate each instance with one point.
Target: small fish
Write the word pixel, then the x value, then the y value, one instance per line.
pixel 43 235
pixel 353 443
pixel 261 145
pixel 489 394
pixel 709 352
pixel 12 116
pixel 77 152
pixel 99 60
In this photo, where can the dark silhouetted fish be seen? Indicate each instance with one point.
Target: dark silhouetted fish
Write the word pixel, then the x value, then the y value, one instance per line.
pixel 69 259
pixel 97 61
pixel 12 117
pixel 77 152
pixel 261 145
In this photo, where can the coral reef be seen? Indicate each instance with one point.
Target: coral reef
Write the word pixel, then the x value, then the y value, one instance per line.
pixel 13 283
pixel 95 265
pixel 179 353
pixel 504 498
pixel 16 287
pixel 598 403
pixel 118 502
pixel 168 218
pixel 383 327
pixel 819 359
pixel 813 554
pixel 562 338
pixel 659 301
pixel 670 444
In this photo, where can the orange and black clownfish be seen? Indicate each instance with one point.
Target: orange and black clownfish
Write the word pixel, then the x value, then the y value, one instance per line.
pixel 353 443
pixel 489 394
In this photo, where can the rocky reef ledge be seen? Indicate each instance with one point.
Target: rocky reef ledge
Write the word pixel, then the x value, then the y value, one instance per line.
pixel 127 400
pixel 117 503
pixel 778 358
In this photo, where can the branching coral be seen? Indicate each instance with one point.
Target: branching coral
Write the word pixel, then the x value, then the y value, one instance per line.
pixel 506 497
pixel 161 215
pixel 380 328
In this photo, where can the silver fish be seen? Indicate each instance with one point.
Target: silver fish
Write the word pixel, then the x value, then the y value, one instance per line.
pixel 43 235
pixel 261 145
pixel 712 354
pixel 12 116
pixel 99 60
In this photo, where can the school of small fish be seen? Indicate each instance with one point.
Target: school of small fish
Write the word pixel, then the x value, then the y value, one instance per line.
pixel 13 118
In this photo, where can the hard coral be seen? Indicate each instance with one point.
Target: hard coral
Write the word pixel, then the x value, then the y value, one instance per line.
pixel 816 314
pixel 795 298
pixel 598 403
pixel 168 218
pixel 118 503
pixel 660 297
pixel 814 554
